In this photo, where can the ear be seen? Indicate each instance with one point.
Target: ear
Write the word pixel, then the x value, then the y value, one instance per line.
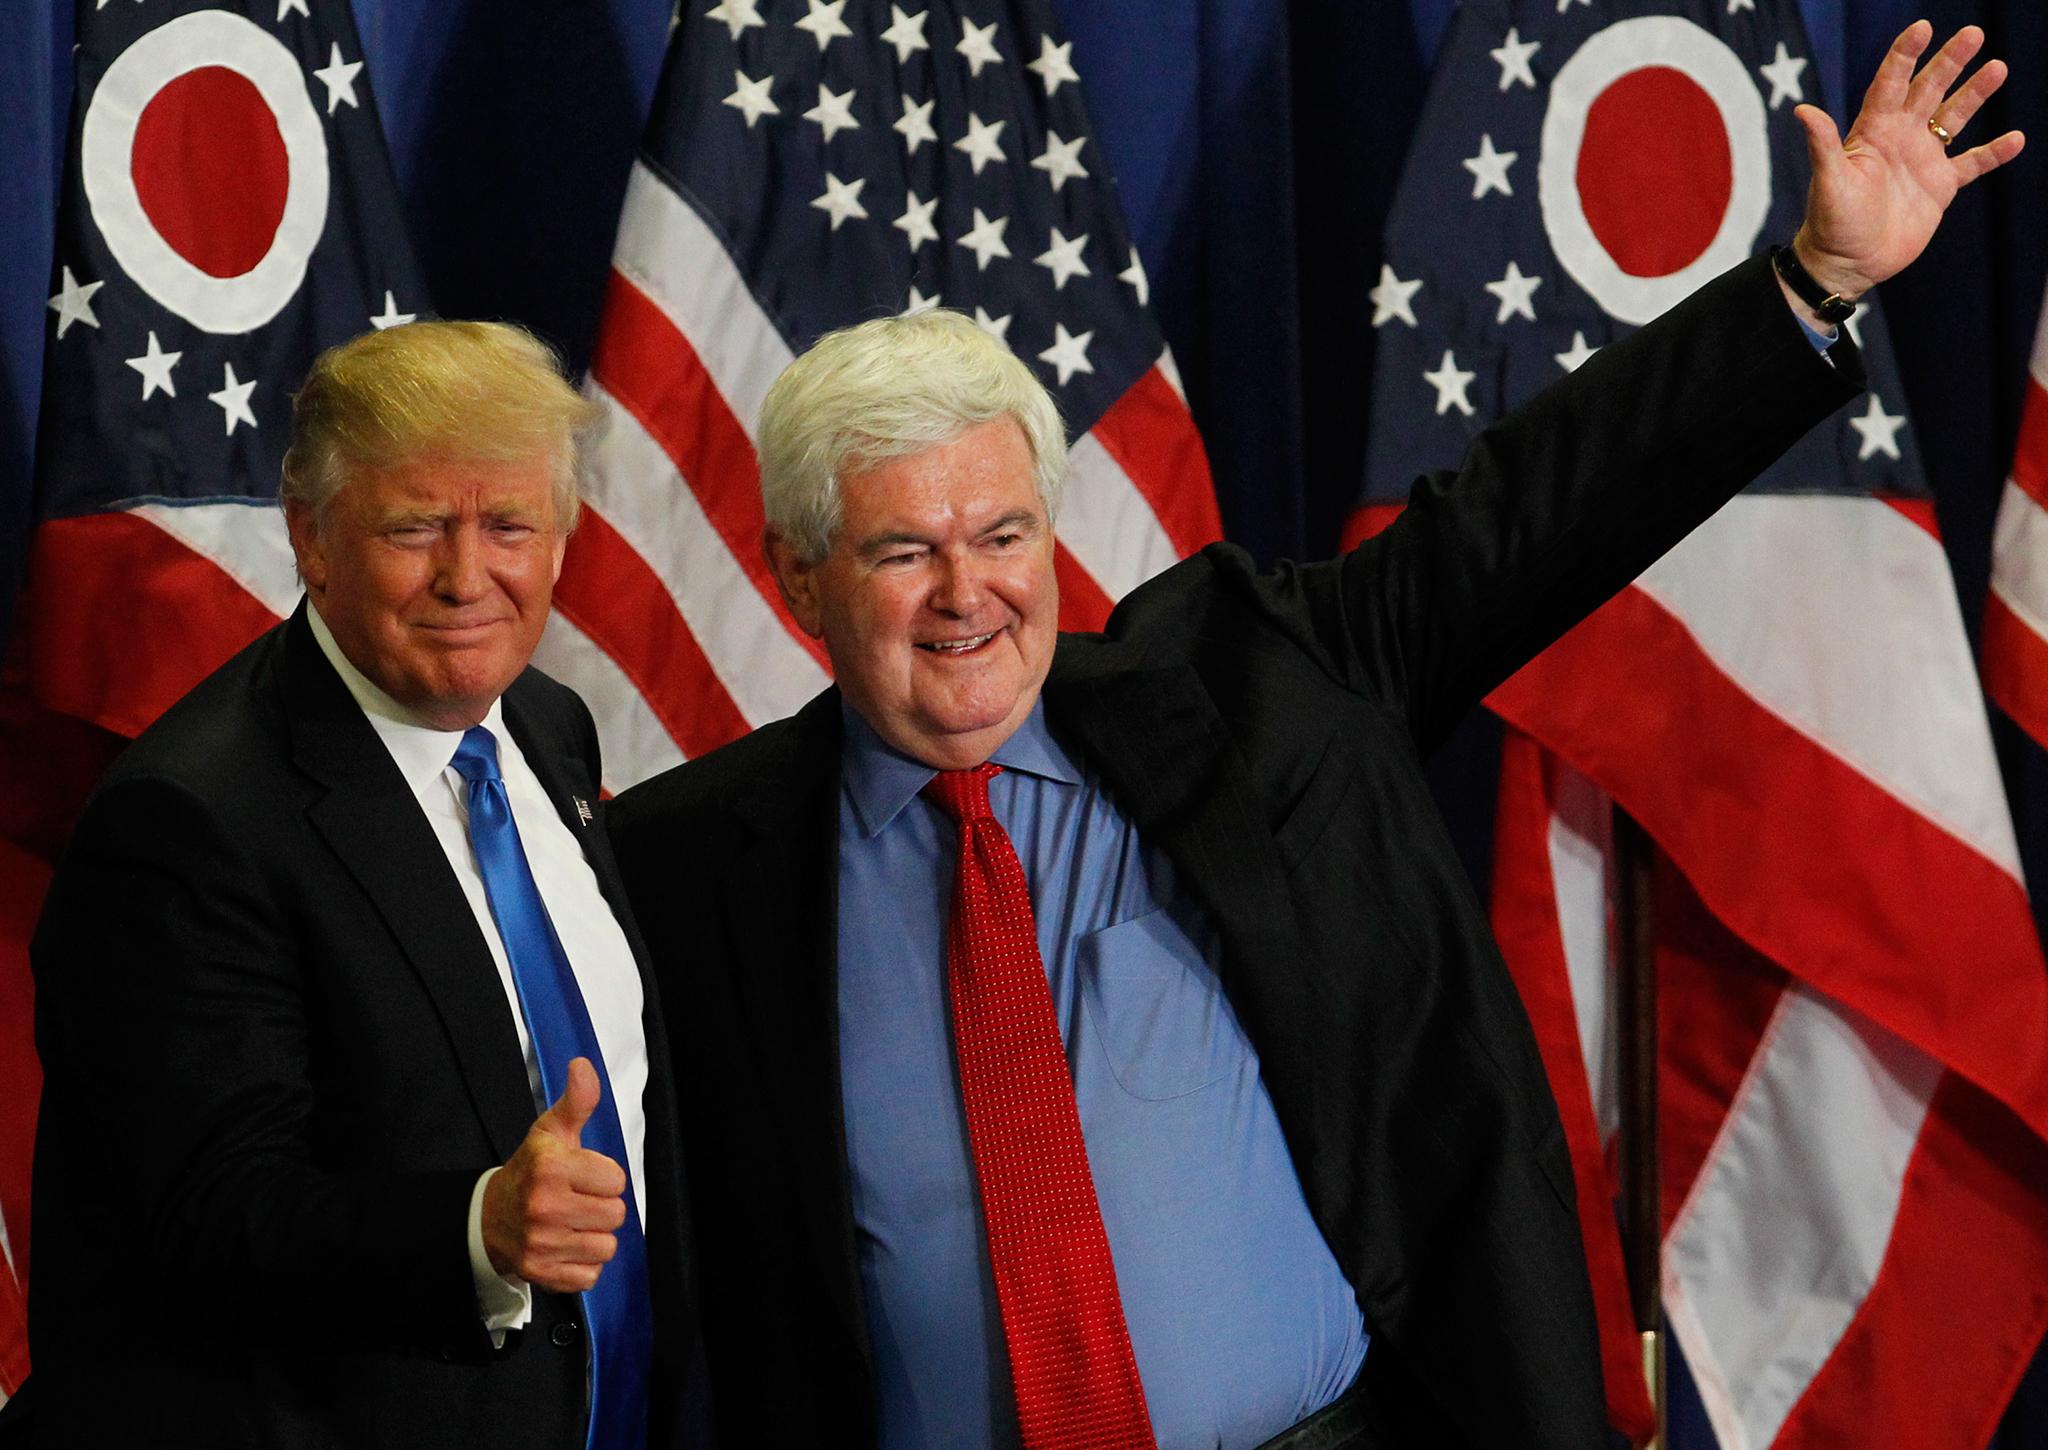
pixel 797 578
pixel 307 547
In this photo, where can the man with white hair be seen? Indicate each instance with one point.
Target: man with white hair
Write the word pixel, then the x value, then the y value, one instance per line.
pixel 1092 1040
pixel 336 978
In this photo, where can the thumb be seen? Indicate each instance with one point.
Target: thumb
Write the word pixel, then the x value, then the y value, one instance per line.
pixel 565 1119
pixel 1823 141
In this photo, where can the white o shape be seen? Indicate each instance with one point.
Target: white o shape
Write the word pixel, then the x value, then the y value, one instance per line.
pixel 1633 45
pixel 107 144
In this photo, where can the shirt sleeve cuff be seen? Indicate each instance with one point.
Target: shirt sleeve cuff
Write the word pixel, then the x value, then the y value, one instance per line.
pixel 504 1303
pixel 1821 341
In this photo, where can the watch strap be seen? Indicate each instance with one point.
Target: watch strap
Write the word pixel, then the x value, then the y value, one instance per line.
pixel 1831 307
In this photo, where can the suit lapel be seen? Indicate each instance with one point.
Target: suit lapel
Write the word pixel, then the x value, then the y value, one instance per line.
pixel 372 822
pixel 1167 757
pixel 782 897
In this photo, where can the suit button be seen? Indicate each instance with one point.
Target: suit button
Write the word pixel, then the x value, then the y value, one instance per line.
pixel 565 1334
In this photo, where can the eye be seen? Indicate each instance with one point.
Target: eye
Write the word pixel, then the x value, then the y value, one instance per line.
pixel 410 535
pixel 1006 541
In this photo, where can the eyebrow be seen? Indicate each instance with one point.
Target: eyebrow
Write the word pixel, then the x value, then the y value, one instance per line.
pixel 879 543
pixel 1021 521
pixel 406 517
pixel 420 514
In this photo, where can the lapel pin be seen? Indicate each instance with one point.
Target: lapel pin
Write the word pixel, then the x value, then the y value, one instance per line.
pixel 582 809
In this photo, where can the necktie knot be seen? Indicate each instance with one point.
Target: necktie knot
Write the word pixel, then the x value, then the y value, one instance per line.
pixel 476 758
pixel 963 794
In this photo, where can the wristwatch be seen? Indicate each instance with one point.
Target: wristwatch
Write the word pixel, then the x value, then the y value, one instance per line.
pixel 1832 307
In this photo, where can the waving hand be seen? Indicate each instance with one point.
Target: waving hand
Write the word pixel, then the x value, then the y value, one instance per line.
pixel 1878 196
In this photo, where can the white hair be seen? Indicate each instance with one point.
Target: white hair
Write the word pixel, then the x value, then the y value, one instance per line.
pixel 890 388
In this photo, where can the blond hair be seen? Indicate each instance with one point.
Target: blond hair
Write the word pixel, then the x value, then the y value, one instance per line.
pixel 886 389
pixel 468 391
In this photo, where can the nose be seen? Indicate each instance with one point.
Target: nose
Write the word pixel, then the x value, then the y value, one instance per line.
pixel 459 574
pixel 958 590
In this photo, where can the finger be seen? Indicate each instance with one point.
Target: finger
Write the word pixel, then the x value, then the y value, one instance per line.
pixel 1955 113
pixel 560 1206
pixel 1988 157
pixel 1895 72
pixel 565 1278
pixel 593 1175
pixel 594 1213
pixel 565 1119
pixel 1823 141
pixel 1940 73
pixel 555 1248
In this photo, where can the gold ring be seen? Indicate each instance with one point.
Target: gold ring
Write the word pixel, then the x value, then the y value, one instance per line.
pixel 1940 131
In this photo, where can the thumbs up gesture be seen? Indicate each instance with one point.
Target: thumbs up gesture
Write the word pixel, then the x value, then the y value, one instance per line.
pixel 551 1213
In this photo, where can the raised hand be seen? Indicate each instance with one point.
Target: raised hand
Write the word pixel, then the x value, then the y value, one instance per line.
pixel 1877 197
pixel 551 1213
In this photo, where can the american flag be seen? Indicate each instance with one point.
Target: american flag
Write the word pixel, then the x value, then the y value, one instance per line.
pixel 2016 613
pixel 228 211
pixel 1853 1006
pixel 809 165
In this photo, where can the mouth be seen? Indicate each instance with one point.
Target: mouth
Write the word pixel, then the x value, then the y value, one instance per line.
pixel 460 629
pixel 965 646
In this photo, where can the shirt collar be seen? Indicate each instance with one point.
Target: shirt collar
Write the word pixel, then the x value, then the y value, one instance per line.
pixel 420 751
pixel 881 780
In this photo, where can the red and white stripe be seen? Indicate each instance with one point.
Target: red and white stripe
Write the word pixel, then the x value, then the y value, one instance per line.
pixel 667 618
pixel 130 610
pixel 2016 612
pixel 1853 998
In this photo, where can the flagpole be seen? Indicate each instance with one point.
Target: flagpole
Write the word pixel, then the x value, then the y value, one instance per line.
pixel 1641 1181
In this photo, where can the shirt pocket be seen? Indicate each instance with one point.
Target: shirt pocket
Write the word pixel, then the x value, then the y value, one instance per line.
pixel 1159 1009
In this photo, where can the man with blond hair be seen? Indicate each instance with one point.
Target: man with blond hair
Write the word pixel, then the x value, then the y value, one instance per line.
pixel 1092 1040
pixel 357 1126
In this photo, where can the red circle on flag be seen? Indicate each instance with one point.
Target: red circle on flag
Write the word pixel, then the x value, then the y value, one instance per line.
pixel 1655 171
pixel 211 171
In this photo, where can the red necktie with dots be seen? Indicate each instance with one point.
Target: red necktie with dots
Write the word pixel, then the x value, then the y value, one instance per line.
pixel 1070 1351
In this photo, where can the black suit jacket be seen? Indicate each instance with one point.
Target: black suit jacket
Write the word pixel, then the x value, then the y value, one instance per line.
pixel 1267 731
pixel 276 1056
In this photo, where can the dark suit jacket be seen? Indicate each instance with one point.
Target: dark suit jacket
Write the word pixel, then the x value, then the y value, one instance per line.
pixel 276 1056
pixel 1266 731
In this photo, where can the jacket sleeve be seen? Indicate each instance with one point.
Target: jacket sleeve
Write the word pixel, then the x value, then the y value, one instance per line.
pixel 172 1020
pixel 1560 504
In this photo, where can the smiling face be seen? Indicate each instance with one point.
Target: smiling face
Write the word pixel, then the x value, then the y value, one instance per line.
pixel 937 601
pixel 435 578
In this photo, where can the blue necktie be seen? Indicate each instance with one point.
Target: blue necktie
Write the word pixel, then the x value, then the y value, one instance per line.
pixel 617 1309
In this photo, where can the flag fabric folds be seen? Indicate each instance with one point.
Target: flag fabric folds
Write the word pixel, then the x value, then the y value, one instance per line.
pixel 1854 1012
pixel 801 172
pixel 2016 612
pixel 228 211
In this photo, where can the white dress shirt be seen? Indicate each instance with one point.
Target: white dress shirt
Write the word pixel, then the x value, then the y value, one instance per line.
pixel 590 935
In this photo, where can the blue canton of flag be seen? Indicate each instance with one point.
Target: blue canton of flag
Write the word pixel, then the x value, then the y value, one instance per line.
pixel 914 157
pixel 1578 169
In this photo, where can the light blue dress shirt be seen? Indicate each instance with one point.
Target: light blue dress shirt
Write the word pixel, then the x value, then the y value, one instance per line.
pixel 1240 1318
